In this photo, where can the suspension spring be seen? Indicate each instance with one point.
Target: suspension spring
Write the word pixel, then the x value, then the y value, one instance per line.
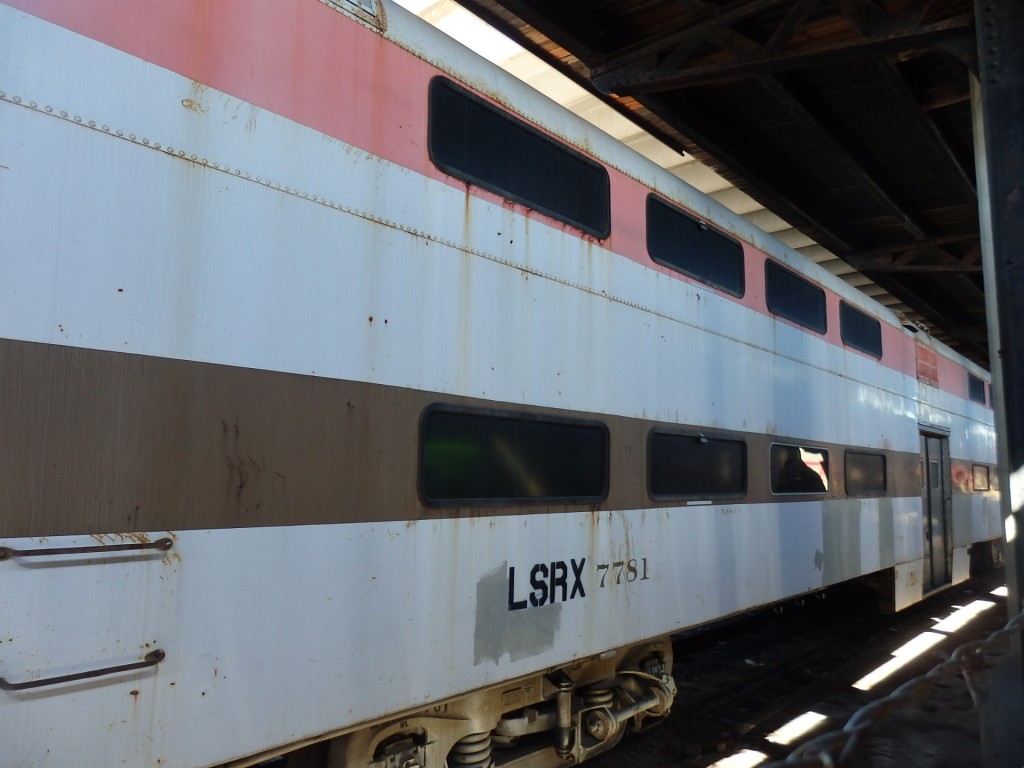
pixel 473 751
pixel 598 695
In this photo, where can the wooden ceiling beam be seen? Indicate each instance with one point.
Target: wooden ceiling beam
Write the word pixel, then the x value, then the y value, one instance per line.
pixel 698 28
pixel 921 256
pixel 928 131
pixel 828 132
pixel 891 265
pixel 934 242
pixel 824 130
pixel 926 128
pixel 645 76
pixel 948 96
pixel 706 148
pixel 784 33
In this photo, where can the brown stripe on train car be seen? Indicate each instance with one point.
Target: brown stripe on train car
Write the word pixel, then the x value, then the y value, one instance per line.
pixel 101 442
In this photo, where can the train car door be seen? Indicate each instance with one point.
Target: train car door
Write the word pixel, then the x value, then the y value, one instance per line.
pixel 936 504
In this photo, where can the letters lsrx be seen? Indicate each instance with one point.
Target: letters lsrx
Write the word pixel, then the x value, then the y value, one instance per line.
pixel 550 584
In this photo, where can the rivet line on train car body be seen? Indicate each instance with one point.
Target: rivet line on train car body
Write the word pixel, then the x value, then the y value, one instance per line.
pixel 338 206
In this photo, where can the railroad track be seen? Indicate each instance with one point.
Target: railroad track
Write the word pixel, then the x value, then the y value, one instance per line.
pixel 742 678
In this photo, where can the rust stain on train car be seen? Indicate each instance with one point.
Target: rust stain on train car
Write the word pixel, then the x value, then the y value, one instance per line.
pixel 193 105
pixel 120 538
pixel 194 101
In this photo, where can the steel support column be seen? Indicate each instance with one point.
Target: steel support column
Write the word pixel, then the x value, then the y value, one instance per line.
pixel 998 102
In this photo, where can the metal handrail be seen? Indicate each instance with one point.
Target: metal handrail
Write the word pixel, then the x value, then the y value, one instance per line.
pixel 6 553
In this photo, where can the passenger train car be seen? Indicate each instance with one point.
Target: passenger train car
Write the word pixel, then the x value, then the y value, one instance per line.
pixel 361 407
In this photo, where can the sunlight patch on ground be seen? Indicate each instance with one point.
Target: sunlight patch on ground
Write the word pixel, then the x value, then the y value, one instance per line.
pixel 746 758
pixel 907 652
pixel 796 728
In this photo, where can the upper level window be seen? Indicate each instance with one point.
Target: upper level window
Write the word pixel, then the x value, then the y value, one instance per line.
pixel 684 464
pixel 475 457
pixel 798 469
pixel 795 298
pixel 976 388
pixel 476 141
pixel 860 330
pixel 688 245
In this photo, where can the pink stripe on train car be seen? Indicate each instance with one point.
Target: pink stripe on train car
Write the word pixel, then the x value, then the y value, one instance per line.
pixel 293 58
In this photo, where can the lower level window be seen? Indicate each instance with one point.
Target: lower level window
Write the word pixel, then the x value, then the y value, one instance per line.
pixel 798 469
pixel 477 457
pixel 694 465
pixel 865 473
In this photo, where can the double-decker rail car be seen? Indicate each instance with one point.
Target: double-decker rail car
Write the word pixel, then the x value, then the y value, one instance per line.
pixel 360 407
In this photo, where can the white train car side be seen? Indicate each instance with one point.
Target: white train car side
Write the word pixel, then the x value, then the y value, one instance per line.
pixel 359 401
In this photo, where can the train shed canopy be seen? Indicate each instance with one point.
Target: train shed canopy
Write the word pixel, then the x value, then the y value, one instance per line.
pixel 849 119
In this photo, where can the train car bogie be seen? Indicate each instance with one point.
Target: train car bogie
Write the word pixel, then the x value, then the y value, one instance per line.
pixel 572 713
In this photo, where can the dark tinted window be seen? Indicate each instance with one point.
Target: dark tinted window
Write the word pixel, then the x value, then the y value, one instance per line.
pixel 685 244
pixel 859 330
pixel 475 141
pixel 799 469
pixel 981 482
pixel 484 457
pixel 794 298
pixel 865 473
pixel 695 465
pixel 976 388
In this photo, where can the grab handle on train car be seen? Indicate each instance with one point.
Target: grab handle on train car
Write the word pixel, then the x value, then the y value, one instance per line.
pixel 150 660
pixel 6 553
